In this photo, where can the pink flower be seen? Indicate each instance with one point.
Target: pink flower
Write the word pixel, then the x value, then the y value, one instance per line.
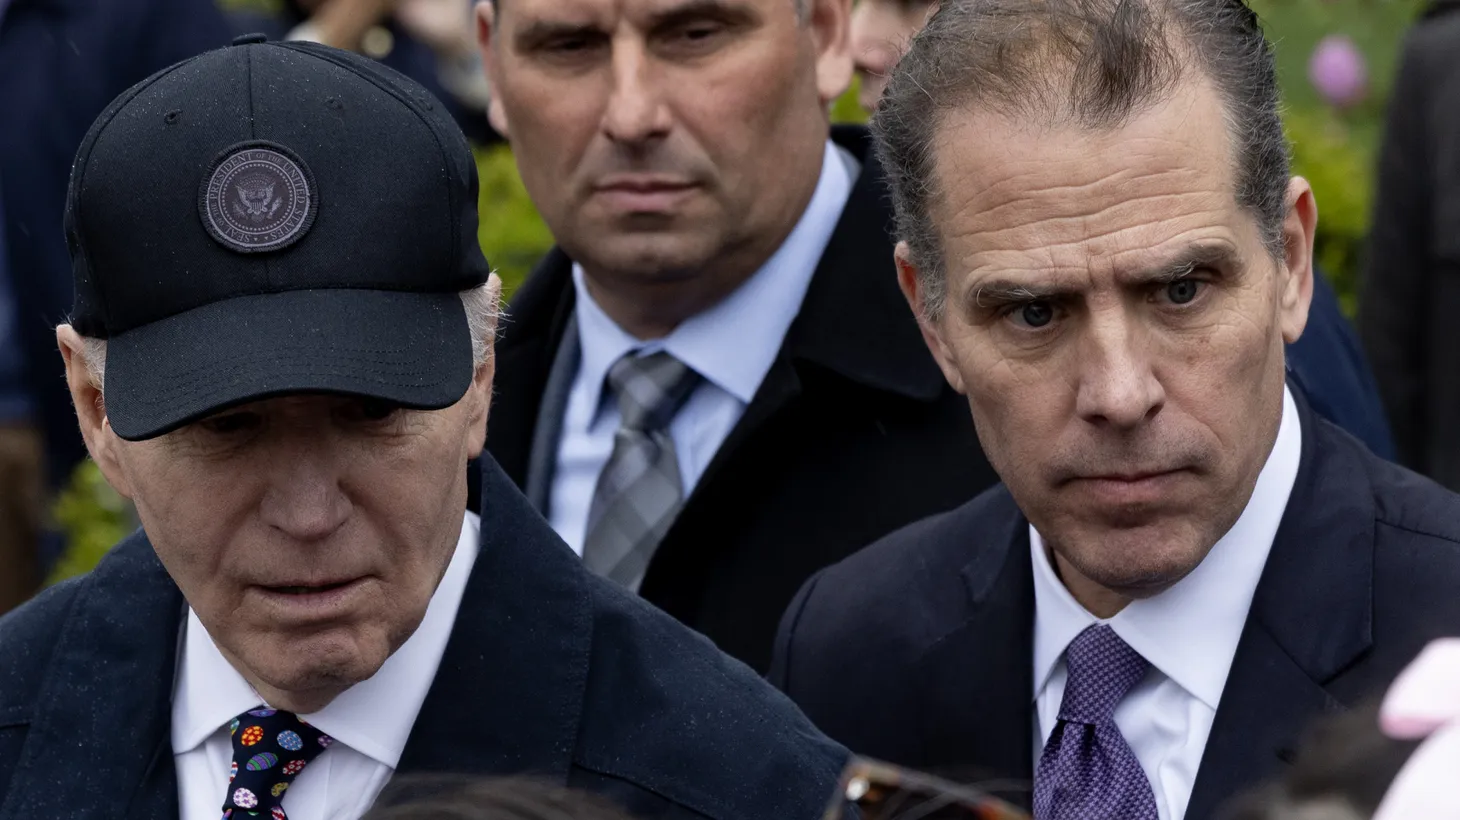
pixel 1338 71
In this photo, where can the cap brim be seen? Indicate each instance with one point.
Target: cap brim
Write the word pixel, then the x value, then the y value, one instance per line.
pixel 413 349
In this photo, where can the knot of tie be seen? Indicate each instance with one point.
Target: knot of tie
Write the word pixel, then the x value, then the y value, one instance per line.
pixel 650 389
pixel 1103 669
pixel 270 749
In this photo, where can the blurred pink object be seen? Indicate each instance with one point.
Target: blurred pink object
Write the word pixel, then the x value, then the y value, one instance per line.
pixel 1425 702
pixel 1337 69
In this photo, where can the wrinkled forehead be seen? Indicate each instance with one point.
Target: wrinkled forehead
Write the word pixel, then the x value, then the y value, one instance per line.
pixel 1041 195
pixel 521 18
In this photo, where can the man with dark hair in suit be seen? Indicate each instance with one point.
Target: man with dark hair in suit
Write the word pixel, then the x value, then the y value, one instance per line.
pixel 281 351
pixel 711 387
pixel 1184 563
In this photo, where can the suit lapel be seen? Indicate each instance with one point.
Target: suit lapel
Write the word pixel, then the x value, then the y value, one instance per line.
pixel 103 721
pixel 548 431
pixel 854 323
pixel 978 703
pixel 509 693
pixel 1311 617
pixel 532 331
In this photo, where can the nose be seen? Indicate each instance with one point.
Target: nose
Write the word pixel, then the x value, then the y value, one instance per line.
pixel 304 499
pixel 1118 387
pixel 636 111
pixel 871 51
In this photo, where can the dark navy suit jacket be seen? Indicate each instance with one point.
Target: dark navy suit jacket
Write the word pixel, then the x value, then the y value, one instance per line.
pixel 919 649
pixel 550 671
pixel 1328 363
pixel 61 62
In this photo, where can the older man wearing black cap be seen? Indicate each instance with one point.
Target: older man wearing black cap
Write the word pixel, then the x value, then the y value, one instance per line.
pixel 281 351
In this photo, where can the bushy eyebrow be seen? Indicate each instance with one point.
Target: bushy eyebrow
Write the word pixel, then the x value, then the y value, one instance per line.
pixel 542 31
pixel 1221 258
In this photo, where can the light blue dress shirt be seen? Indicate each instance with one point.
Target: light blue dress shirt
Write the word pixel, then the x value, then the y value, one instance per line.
pixel 732 345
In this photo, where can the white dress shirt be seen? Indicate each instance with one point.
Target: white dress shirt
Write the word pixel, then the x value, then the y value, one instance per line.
pixel 732 345
pixel 1189 634
pixel 370 721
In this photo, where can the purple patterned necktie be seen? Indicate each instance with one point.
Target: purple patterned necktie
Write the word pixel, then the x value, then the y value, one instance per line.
pixel 1087 771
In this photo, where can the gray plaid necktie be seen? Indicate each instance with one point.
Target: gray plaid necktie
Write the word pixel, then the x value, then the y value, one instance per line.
pixel 639 490
pixel 1087 771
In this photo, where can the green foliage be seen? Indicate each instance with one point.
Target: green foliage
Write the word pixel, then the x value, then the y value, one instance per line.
pixel 512 234
pixel 91 517
pixel 1335 150
pixel 1338 168
pixel 846 109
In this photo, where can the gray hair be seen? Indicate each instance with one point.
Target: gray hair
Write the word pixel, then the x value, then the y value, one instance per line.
pixel 482 312
pixel 1091 63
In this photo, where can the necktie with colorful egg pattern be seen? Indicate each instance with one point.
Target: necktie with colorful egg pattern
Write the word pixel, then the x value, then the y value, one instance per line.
pixel 270 749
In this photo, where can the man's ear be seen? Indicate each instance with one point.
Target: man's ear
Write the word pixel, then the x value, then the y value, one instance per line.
pixel 486 26
pixel 90 403
pixel 909 278
pixel 480 392
pixel 1295 293
pixel 830 23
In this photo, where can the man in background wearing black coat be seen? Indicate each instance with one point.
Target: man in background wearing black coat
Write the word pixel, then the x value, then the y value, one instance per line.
pixel 680 153
pixel 1411 284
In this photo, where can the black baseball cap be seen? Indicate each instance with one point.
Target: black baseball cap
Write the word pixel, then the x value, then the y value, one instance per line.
pixel 268 219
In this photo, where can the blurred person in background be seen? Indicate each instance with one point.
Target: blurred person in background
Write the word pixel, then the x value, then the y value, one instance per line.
pixel 1185 563
pixel 455 797
pixel 431 41
pixel 1327 363
pixel 711 387
pixel 1410 290
pixel 1342 768
pixel 61 62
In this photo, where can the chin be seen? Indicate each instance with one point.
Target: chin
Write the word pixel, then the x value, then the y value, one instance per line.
pixel 1138 562
pixel 336 659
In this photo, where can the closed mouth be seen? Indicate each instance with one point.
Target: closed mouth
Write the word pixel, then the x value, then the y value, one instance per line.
pixel 306 590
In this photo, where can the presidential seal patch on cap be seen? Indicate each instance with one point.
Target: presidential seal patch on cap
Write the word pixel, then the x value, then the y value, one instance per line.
pixel 258 197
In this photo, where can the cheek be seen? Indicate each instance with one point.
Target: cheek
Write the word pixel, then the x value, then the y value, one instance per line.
pixel 417 494
pixel 190 512
pixel 1019 407
pixel 1225 377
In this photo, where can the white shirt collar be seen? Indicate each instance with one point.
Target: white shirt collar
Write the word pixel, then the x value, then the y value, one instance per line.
pixel 373 717
pixel 1190 631
pixel 734 343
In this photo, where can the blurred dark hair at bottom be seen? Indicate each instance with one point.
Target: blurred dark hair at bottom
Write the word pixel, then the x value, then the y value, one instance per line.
pixel 1343 767
pixel 467 797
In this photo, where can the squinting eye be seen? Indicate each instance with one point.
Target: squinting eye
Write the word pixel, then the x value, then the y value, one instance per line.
pixel 1036 314
pixel 377 409
pixel 1182 291
pixel 231 423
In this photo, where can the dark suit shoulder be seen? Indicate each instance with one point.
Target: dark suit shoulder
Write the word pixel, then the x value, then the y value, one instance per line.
pixel 29 636
pixel 904 585
pixel 1405 500
pixel 667 711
